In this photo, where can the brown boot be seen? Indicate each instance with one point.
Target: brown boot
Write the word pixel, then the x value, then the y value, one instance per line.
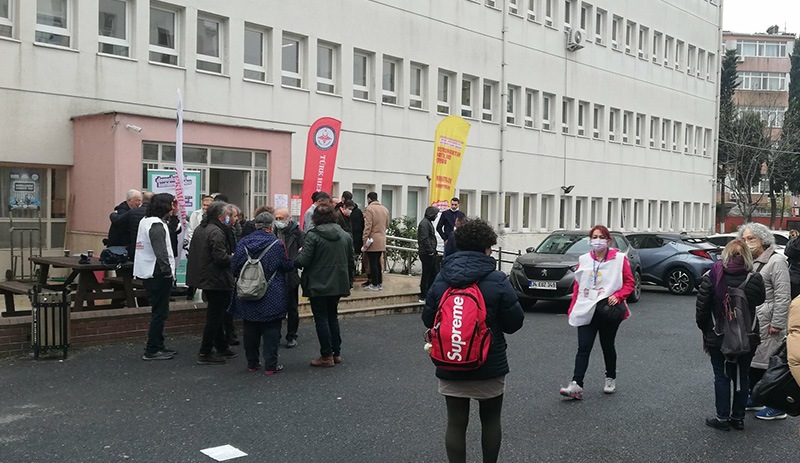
pixel 323 362
pixel 337 359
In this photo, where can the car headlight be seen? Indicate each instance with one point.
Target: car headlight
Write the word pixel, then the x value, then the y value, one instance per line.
pixel 574 268
pixel 516 266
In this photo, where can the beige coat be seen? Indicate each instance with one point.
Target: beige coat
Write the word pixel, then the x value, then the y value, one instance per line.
pixel 773 312
pixel 376 221
pixel 793 341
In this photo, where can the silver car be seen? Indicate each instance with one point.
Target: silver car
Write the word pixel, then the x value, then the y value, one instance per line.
pixel 676 262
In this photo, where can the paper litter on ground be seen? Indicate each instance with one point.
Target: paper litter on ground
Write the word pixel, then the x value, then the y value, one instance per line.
pixel 224 452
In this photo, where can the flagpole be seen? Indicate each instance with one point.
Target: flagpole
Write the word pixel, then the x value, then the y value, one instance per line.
pixel 179 196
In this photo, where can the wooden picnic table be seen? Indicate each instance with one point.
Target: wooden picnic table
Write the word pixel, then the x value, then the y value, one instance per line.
pixel 89 289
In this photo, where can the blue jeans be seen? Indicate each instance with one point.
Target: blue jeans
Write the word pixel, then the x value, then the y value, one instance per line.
pixel 725 376
pixel 158 290
pixel 326 320
pixel 254 334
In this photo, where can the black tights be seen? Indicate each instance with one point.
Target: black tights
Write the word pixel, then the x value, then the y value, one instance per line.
pixel 455 439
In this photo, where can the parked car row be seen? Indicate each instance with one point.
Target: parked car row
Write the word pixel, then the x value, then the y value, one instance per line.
pixel 674 261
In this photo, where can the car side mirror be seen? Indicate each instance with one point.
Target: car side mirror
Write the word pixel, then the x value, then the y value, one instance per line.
pixel 530 249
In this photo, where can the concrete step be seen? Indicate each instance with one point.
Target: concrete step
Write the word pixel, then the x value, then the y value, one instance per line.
pixel 360 299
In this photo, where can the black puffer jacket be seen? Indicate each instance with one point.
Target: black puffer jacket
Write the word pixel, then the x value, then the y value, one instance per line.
pixel 209 265
pixel 503 312
pixel 754 290
pixel 426 235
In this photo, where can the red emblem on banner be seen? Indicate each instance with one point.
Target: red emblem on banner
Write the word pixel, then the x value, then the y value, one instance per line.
pixel 321 148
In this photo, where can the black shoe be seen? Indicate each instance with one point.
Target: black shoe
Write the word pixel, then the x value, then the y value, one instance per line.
pixel 737 424
pixel 291 343
pixel 209 359
pixel 233 342
pixel 227 354
pixel 160 355
pixel 167 350
pixel 718 424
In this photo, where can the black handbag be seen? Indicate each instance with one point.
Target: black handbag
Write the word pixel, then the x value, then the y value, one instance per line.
pixel 778 388
pixel 114 255
pixel 611 313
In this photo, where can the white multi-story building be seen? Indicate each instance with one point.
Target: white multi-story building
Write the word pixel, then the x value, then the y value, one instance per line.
pixel 582 112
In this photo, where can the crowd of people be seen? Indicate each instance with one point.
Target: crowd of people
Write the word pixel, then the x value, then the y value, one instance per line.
pixel 335 234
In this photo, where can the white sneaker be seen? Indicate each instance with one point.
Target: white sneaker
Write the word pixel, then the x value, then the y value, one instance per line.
pixel 611 386
pixel 372 288
pixel 573 391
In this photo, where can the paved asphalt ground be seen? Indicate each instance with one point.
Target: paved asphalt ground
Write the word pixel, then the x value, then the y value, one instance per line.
pixel 104 404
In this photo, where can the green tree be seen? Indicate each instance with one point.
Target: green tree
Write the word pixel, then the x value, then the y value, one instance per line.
pixel 727 116
pixel 790 134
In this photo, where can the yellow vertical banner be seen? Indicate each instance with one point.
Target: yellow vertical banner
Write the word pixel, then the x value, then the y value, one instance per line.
pixel 448 150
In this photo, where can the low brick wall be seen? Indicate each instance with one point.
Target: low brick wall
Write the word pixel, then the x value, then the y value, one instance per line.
pixel 99 326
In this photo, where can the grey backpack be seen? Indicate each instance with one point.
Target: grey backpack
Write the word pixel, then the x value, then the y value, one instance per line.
pixel 252 283
pixel 736 327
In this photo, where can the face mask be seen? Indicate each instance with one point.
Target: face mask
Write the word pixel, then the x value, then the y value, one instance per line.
pixel 752 246
pixel 280 225
pixel 346 212
pixel 599 244
pixel 227 220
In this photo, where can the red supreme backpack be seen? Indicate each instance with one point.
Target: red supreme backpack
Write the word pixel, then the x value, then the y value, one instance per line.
pixel 460 338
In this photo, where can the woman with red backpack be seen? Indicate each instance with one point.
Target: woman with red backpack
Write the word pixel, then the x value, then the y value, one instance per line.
pixel 473 264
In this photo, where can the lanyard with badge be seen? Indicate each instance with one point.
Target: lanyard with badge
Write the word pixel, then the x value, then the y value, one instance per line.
pixel 593 293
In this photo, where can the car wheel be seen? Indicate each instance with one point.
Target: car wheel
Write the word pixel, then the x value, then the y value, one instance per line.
pixel 680 281
pixel 637 288
pixel 527 304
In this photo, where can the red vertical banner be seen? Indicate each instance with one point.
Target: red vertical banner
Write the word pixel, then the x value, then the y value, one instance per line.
pixel 323 142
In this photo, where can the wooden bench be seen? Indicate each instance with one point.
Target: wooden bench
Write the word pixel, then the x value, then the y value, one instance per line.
pixel 11 288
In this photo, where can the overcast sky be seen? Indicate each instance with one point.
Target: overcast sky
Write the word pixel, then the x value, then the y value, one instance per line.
pixel 749 16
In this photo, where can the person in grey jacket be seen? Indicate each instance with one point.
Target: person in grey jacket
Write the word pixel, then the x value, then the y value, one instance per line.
pixel 426 247
pixel 773 313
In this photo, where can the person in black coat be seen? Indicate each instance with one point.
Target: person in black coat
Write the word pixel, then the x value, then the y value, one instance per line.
pixel 288 231
pixel 473 263
pixel 732 271
pixel 792 252
pixel 447 221
pixel 356 217
pixel 426 248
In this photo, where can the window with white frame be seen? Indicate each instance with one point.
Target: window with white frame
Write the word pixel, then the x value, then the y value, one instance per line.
pixel 655 125
pixel 613 124
pixel 669 45
pixel 691 60
pixel 209 43
pixel 418 86
pixel 569 11
pixel 616 27
pixel 255 53
pixel 444 90
pixel 531 108
pixel 293 55
pixel 701 63
pixel 658 43
pixel 598 113
pixel 513 6
pixel 547 111
pixel 548 12
pixel 532 10
pixel 391 72
pixel 770 81
pixel 512 105
pixel 688 133
pixel 698 139
pixel 489 98
pixel 643 45
pixel 630 30
pixel 666 127
pixel 7 18
pixel 362 75
pixel 583 114
pixel 761 48
pixel 626 125
pixel 527 211
pixel 586 17
pixel 327 67
pixel 54 22
pixel 678 55
pixel 676 134
pixel 469 91
pixel 164 44
pixel 600 26
pixel 640 121
pixel 113 26
pixel 491 3
pixel 706 142
pixel 510 211
pixel 711 67
pixel 567 114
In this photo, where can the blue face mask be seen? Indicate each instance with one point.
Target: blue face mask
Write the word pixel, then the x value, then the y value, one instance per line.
pixel 227 220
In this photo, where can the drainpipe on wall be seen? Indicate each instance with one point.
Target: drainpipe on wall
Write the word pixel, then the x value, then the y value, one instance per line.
pixel 715 153
pixel 503 119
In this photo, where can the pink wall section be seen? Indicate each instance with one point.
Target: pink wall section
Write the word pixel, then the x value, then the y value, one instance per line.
pixel 108 159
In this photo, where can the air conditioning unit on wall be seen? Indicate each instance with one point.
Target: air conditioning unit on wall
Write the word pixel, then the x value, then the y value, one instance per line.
pixel 575 39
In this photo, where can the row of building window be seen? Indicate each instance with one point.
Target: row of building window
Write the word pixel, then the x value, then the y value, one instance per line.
pixel 762 48
pixel 771 115
pixel 771 81
pixel 635 39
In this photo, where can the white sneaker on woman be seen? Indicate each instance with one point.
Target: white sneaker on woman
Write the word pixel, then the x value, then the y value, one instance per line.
pixel 611 386
pixel 573 391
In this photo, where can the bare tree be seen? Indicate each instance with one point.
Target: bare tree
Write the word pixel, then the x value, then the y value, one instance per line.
pixel 746 147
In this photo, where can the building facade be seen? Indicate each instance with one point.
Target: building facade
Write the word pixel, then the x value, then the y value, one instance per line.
pixel 582 112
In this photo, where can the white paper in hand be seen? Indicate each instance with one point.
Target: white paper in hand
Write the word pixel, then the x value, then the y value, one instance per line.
pixel 224 452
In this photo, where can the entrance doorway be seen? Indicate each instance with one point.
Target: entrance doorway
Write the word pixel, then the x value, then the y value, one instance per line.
pixel 234 184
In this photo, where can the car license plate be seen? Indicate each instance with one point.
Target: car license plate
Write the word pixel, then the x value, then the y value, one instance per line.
pixel 542 284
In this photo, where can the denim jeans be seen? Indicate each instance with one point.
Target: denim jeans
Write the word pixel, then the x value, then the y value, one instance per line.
pixel 256 332
pixel 586 336
pixel 158 290
pixel 725 378
pixel 292 315
pixel 326 319
pixel 214 331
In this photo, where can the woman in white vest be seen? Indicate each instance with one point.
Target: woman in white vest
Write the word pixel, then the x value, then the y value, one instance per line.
pixel 603 281
pixel 154 264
